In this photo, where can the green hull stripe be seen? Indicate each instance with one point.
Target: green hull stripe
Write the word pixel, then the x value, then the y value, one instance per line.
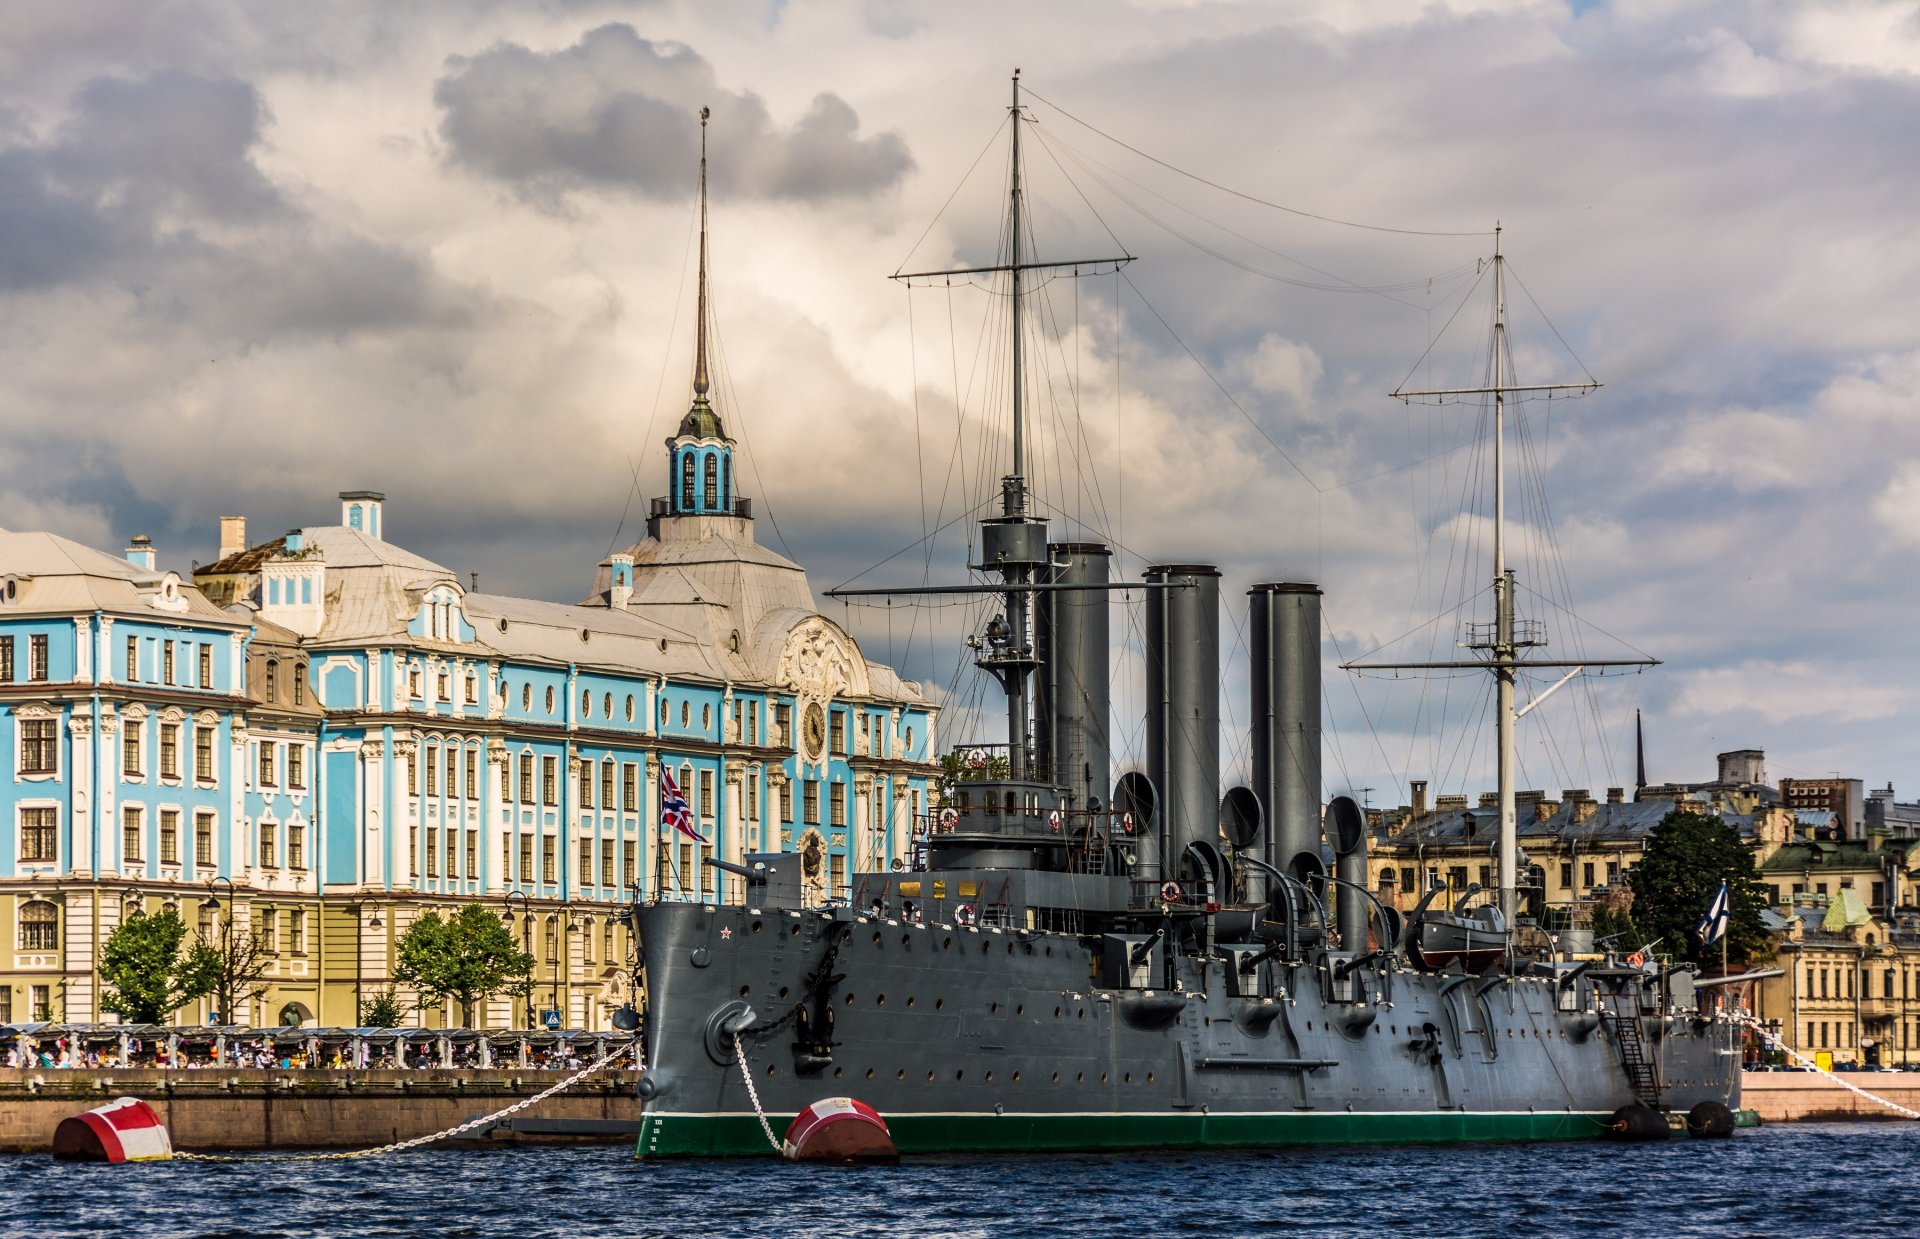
pixel 739 1135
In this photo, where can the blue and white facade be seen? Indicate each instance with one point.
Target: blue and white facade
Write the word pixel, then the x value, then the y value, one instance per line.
pixel 123 723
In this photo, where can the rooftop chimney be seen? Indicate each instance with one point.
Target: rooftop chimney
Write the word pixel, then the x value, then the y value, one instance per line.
pixel 233 535
pixel 1417 792
pixel 140 553
pixel 1616 795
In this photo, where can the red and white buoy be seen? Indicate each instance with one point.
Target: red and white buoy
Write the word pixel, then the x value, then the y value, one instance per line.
pixel 127 1130
pixel 840 1130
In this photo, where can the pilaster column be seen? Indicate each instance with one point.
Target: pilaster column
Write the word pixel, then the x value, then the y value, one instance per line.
pixel 82 847
pixel 373 774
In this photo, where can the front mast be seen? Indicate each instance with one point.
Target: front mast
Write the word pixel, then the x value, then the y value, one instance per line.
pixel 1013 495
pixel 1014 543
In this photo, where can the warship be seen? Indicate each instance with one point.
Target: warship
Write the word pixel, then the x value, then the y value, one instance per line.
pixel 1070 962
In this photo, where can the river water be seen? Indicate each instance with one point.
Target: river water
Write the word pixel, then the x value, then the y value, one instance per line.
pixel 1856 1180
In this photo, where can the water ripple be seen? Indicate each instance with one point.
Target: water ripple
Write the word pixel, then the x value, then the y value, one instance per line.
pixel 1709 1189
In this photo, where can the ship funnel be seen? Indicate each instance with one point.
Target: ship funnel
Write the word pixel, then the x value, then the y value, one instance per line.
pixel 1070 630
pixel 1183 701
pixel 1347 831
pixel 1244 825
pixel 1136 822
pixel 1284 647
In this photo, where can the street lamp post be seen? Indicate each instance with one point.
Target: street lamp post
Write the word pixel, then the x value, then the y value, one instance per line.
pixel 372 921
pixel 224 993
pixel 526 936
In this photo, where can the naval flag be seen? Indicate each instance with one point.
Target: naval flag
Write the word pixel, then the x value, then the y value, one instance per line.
pixel 1713 926
pixel 673 808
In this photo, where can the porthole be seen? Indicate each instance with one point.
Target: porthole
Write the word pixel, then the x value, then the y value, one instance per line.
pixel 838 1072
pixel 1083 1013
pixel 1149 1077
pixel 879 1000
pixel 1103 1077
pixel 503 623
pixel 745 990
pixel 929 1077
pixel 993 1007
pixel 757 927
pixel 909 1000
pixel 989 1077
pixel 906 939
pixel 663 645
pixel 876 938
pixel 960 1075
pixel 946 944
pixel 1127 1079
pixel 1020 1008
pixel 1079 1077
pixel 900 1074
pixel 770 1069
pixel 1016 1077
pixel 869 1073
pixel 783 991
pixel 849 1000
pixel 939 1003
pixel 1056 1013
pixel 1056 1077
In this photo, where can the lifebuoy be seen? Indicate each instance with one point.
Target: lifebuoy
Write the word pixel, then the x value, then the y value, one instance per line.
pixel 1170 892
pixel 1053 819
pixel 949 817
pixel 963 915
pixel 1126 822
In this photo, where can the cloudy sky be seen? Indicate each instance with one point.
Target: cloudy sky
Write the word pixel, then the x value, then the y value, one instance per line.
pixel 252 255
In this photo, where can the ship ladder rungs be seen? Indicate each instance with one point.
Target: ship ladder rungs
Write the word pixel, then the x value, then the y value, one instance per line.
pixel 1622 1015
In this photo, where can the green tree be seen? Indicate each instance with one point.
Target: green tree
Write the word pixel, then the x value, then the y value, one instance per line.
pixel 468 957
pixel 243 963
pixel 146 974
pixel 383 1010
pixel 1687 856
pixel 958 766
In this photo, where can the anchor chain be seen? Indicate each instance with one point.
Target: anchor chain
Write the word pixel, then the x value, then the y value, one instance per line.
pixel 1766 1035
pixel 417 1141
pixel 753 1094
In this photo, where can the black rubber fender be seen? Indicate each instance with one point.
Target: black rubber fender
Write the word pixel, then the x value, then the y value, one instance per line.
pixel 1710 1120
pixel 1636 1122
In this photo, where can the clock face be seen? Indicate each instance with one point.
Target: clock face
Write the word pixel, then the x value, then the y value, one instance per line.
pixel 814 728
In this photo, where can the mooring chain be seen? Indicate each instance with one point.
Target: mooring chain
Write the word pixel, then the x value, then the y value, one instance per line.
pixel 753 1094
pixel 1766 1034
pixel 417 1141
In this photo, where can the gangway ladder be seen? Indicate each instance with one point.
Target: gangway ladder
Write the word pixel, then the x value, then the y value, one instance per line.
pixel 1620 1010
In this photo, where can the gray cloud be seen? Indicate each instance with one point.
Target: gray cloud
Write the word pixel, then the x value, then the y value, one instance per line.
pixel 619 111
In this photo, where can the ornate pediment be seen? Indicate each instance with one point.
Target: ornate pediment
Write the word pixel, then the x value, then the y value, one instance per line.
pixel 820 661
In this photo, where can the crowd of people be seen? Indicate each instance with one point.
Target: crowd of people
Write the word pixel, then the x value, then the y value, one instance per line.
pixel 275 1054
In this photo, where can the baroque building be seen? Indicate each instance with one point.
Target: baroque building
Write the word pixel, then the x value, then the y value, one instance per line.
pixel 351 738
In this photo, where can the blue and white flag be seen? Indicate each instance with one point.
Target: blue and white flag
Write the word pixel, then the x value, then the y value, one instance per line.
pixel 1713 926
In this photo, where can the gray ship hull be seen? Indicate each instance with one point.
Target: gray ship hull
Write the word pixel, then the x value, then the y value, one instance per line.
pixel 985 1039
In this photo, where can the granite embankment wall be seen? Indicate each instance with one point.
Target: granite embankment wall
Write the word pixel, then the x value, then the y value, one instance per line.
pixel 218 1109
pixel 1791 1096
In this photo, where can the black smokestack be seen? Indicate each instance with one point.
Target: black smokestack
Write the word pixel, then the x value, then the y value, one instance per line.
pixel 1183 703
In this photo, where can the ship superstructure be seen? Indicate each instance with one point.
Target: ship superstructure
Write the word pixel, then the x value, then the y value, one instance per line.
pixel 1074 963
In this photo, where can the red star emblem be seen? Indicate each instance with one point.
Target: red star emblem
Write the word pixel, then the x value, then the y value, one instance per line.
pixel 725 933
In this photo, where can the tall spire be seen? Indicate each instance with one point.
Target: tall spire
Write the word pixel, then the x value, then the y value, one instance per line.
pixel 700 346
